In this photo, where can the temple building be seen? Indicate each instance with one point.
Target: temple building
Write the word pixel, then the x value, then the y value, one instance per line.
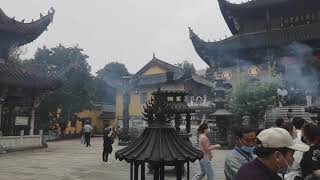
pixel 21 89
pixel 270 38
pixel 157 74
pixel 266 35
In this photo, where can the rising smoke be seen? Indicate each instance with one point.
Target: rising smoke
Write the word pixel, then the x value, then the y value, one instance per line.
pixel 299 70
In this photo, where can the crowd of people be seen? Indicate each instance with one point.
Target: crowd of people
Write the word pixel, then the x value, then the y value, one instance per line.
pixel 288 151
pixel 294 96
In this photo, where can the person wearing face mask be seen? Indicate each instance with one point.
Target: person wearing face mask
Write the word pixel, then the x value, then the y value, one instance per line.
pixel 242 153
pixel 275 148
pixel 206 148
pixel 310 162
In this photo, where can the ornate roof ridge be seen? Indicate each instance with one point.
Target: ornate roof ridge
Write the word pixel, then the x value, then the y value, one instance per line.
pixel 249 3
pixel 273 38
pixel 252 35
pixel 21 33
pixel 11 25
pixel 161 62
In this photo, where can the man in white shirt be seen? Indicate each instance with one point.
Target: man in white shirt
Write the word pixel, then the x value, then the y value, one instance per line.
pixel 295 171
pixel 87 129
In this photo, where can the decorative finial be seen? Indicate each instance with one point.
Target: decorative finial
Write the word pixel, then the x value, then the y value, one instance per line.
pixel 153 56
pixel 52 10
pixel 41 15
pixel 191 33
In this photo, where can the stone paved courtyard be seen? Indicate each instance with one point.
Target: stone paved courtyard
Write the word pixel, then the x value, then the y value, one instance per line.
pixel 68 160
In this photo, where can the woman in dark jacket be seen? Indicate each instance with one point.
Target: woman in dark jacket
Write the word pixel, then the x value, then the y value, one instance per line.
pixel 107 144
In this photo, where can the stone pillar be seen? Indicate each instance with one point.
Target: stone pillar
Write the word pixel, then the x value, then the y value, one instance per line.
pixel 32 121
pixel 21 133
pixel 41 137
pixel 21 136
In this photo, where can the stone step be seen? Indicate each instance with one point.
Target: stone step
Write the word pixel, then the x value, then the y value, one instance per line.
pixel 281 112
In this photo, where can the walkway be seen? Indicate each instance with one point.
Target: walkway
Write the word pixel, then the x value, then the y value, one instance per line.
pixel 68 160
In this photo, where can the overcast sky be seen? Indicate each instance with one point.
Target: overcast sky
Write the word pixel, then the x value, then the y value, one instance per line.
pixel 127 31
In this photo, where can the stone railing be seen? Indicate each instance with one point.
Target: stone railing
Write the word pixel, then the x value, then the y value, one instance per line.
pixel 14 143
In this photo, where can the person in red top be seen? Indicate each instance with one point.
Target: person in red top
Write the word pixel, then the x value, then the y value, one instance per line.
pixel 206 148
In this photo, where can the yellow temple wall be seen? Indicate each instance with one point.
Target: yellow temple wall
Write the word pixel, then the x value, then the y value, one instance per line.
pixel 154 70
pixel 96 123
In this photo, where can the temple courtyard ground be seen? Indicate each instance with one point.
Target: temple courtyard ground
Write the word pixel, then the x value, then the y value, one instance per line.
pixel 69 160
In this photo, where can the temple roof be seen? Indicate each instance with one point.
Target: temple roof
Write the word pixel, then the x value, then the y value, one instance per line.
pixel 15 75
pixel 14 33
pixel 250 4
pixel 8 24
pixel 155 61
pixel 265 39
pixel 178 74
pixel 156 79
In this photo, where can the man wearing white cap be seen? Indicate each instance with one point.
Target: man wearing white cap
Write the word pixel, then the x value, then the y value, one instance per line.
pixel 275 149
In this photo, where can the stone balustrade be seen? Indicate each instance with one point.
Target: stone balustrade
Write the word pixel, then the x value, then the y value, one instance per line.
pixel 14 143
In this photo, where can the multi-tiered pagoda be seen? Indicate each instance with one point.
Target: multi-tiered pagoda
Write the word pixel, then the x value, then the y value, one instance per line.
pixel 20 88
pixel 264 33
pixel 222 117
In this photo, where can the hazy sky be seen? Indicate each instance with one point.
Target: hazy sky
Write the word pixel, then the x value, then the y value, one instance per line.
pixel 128 31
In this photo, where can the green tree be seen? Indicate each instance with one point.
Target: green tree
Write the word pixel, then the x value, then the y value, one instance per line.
pixel 253 99
pixel 113 71
pixel 109 75
pixel 186 66
pixel 77 90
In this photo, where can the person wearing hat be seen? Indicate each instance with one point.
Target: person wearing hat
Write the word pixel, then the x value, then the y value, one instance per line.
pixel 275 148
